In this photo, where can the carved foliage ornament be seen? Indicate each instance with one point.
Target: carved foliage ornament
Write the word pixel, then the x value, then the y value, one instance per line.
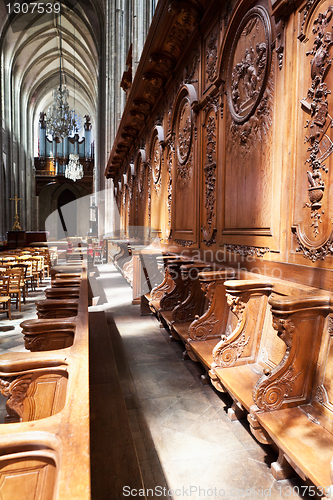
pixel 211 57
pixel 226 354
pixel 245 250
pixel 209 229
pixel 156 162
pixel 169 201
pixel 320 146
pixel 249 64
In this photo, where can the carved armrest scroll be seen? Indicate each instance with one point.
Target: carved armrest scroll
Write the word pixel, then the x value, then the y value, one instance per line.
pixel 245 300
pixel 299 322
pixel 213 321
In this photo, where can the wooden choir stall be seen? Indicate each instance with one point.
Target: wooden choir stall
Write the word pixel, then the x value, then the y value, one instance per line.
pixel 224 150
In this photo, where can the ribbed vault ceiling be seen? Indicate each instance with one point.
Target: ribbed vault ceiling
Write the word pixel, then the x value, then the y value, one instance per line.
pixel 31 50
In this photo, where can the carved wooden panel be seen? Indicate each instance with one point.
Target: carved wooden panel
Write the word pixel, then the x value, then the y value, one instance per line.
pixel 313 212
pixel 185 204
pixel 28 477
pixel 249 205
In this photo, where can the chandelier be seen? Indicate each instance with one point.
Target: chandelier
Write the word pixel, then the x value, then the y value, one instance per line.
pixel 74 169
pixel 59 118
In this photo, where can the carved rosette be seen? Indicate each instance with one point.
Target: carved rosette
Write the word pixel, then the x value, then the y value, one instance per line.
pixel 15 390
pixel 209 229
pixel 211 57
pixel 226 354
pixel 184 132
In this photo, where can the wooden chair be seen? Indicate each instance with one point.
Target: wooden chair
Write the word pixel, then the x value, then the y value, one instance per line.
pixel 5 298
pixel 24 278
pixel 15 285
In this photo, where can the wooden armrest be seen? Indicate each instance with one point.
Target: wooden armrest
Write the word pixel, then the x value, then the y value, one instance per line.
pixel 299 322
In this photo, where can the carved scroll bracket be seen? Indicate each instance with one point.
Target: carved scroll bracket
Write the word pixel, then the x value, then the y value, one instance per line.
pixel 230 348
pixel 273 388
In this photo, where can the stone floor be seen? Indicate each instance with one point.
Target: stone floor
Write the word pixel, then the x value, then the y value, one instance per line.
pixel 186 445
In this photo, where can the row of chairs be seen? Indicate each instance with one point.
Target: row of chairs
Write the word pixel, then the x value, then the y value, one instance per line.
pixel 20 271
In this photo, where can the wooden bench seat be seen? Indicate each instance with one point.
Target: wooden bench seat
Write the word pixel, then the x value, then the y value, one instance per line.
pixel 292 403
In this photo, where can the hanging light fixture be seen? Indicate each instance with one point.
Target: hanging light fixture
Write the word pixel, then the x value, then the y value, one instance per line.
pixel 59 117
pixel 74 169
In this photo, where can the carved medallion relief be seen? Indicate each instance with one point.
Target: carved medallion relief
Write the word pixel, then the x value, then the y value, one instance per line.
pixel 248 64
pixel 156 162
pixel 314 177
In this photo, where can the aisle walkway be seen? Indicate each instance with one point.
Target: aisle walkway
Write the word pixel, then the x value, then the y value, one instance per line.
pixel 184 440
